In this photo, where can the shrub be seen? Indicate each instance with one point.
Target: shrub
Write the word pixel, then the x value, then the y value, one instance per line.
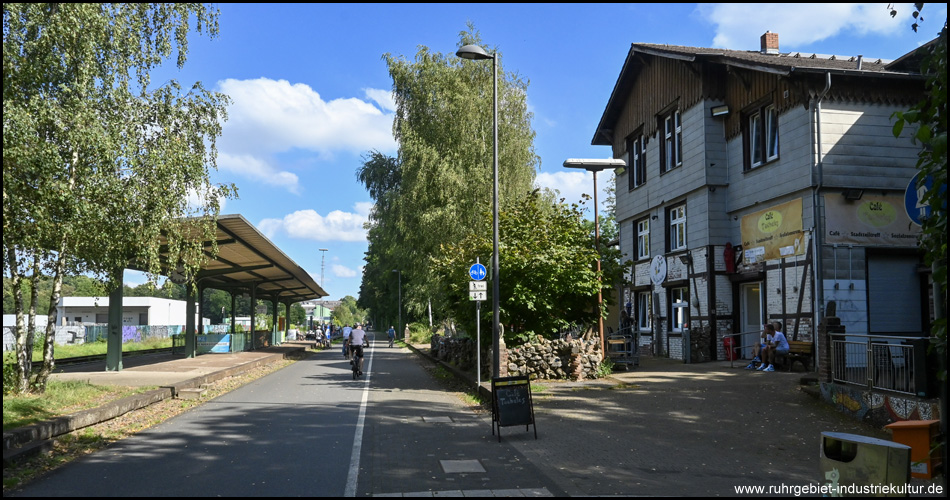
pixel 419 333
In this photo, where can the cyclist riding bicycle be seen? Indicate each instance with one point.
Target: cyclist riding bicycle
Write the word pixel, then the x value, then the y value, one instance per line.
pixel 357 337
pixel 392 335
pixel 346 341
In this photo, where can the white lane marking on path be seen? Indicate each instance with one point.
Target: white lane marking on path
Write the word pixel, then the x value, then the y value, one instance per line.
pixel 353 475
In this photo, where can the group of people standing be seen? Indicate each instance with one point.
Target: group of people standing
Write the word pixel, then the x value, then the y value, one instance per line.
pixel 772 343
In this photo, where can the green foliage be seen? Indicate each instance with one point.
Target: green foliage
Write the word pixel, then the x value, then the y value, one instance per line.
pixel 930 118
pixel 548 270
pixel 348 313
pixel 73 286
pixel 440 184
pixel 605 368
pixel 418 334
pixel 10 378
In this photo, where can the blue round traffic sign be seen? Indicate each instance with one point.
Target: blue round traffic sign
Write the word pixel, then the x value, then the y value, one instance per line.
pixel 477 272
pixel 915 208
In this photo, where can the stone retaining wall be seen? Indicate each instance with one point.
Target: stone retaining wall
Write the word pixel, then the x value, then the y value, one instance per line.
pixel 541 359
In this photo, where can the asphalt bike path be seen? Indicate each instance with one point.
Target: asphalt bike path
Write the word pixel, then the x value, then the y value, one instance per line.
pixel 419 439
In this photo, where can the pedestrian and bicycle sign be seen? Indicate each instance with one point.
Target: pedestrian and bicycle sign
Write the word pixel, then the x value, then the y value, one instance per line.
pixel 916 209
pixel 477 272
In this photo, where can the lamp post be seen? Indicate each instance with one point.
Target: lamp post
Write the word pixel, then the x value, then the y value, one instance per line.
pixel 474 52
pixel 596 166
pixel 399 324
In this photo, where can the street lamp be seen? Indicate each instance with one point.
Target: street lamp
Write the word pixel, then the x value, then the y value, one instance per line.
pixel 596 166
pixel 399 324
pixel 474 53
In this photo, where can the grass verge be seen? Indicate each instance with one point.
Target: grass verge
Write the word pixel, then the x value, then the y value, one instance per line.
pixel 61 398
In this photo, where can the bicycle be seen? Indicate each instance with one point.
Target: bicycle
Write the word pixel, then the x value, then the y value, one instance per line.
pixel 391 340
pixel 357 362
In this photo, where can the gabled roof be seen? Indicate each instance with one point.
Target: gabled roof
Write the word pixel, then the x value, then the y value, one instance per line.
pixel 774 63
pixel 784 64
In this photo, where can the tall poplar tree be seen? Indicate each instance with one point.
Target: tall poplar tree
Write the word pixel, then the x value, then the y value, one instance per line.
pixel 97 164
pixel 444 130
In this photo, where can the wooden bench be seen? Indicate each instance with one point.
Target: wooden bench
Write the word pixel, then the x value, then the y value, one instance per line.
pixel 801 351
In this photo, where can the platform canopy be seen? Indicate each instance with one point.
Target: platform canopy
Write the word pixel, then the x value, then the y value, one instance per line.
pixel 247 258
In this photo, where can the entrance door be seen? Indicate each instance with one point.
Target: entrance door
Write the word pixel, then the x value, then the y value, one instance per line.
pixel 750 315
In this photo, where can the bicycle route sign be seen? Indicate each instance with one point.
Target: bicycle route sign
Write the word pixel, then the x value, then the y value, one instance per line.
pixel 477 272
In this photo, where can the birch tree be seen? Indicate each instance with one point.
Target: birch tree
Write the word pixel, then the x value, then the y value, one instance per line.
pixel 98 164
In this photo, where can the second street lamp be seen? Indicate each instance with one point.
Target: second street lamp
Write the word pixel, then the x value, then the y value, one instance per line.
pixel 596 166
pixel 474 52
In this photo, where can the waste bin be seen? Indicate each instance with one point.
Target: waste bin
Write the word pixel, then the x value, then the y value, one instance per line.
pixel 921 436
pixel 856 465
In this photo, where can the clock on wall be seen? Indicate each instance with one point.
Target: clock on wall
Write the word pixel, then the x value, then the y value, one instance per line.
pixel 658 269
pixel 178 276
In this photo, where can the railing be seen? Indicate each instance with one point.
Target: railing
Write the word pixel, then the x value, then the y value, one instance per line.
pixel 880 362
pixel 746 352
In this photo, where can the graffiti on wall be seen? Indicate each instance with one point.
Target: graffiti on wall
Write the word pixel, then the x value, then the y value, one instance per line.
pixel 863 404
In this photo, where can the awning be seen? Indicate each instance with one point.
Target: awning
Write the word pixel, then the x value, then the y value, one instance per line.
pixel 246 258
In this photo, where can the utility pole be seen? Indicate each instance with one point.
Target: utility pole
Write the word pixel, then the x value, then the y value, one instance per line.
pixel 322 264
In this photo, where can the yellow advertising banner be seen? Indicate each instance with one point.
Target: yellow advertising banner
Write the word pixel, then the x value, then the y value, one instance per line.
pixel 870 221
pixel 773 233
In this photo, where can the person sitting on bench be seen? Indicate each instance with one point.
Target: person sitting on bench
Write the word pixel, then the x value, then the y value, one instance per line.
pixel 778 345
pixel 758 349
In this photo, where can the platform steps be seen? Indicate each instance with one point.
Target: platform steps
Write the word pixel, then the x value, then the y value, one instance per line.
pixel 192 392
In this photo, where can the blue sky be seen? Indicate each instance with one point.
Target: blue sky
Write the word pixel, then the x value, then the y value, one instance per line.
pixel 311 92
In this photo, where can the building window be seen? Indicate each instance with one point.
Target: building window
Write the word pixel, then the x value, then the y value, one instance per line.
pixel 679 302
pixel 761 136
pixel 636 161
pixel 672 150
pixel 644 320
pixel 677 218
pixel 643 239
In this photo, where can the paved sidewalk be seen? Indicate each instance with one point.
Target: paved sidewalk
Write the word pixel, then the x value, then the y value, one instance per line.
pixel 667 428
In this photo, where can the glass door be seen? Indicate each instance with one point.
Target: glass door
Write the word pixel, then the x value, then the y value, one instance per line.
pixel 750 314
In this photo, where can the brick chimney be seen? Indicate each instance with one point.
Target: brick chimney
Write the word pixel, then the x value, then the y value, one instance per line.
pixel 769 43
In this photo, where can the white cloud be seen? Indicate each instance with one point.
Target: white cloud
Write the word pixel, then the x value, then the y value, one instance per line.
pixel 269 117
pixel 343 271
pixel 256 169
pixel 309 225
pixel 739 26
pixel 571 185
pixel 384 98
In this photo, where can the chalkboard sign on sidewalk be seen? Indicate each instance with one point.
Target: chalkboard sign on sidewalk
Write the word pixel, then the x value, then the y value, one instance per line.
pixel 511 403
